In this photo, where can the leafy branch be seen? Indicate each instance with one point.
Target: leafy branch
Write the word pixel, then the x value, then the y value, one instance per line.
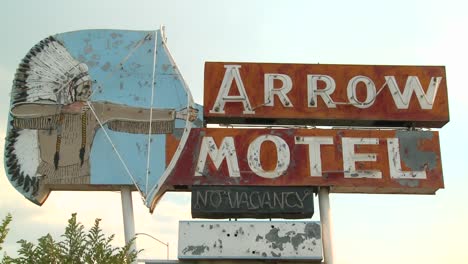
pixel 76 247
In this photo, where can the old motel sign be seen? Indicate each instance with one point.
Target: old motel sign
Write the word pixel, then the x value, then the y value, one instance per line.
pixel 318 94
pixel 84 100
pixel 350 161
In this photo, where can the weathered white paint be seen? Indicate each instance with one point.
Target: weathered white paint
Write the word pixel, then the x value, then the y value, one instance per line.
pixel 282 151
pixel 413 85
pixel 231 75
pixel 325 93
pixel 284 240
pixel 370 88
pixel 27 151
pixel 271 91
pixel 394 162
pixel 315 159
pixel 226 151
pixel 350 157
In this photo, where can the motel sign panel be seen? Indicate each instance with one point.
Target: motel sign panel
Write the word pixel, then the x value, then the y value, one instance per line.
pixel 346 160
pixel 320 94
pixel 100 120
pixel 349 161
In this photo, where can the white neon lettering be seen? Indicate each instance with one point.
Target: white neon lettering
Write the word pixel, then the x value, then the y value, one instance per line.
pixel 371 91
pixel 315 160
pixel 226 151
pixel 271 91
pixel 350 157
pixel 231 75
pixel 254 158
pixel 313 90
pixel 413 85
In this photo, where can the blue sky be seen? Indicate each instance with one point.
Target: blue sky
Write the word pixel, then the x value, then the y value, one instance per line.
pixel 367 228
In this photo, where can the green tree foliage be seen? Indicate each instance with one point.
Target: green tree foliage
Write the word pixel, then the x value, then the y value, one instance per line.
pixel 4 229
pixel 76 247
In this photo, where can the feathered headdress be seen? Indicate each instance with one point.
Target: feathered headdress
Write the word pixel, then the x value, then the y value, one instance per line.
pixel 48 74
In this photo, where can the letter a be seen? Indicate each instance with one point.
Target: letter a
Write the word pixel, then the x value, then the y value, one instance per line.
pixel 232 74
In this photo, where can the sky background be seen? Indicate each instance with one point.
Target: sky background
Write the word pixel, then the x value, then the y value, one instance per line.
pixel 367 228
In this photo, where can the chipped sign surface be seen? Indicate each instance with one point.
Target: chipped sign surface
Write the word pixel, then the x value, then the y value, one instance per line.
pixel 250 240
pixel 321 94
pixel 349 161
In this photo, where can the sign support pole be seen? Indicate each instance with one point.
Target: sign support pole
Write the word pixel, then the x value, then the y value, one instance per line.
pixel 327 224
pixel 128 218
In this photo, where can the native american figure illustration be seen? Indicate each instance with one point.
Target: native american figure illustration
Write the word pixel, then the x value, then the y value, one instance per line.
pixel 53 124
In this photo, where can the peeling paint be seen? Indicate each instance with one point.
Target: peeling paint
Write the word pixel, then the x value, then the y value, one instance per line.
pixel 115 35
pixel 410 151
pixel 250 240
pixel 312 230
pixel 195 250
pixel 166 67
pixel 106 66
pixel 277 241
pixel 409 182
pixel 297 240
pixel 178 132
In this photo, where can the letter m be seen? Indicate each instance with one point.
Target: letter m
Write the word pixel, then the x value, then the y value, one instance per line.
pixel 226 151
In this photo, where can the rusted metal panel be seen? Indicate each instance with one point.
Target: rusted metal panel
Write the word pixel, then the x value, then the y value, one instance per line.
pixel 321 94
pixel 350 161
pixel 252 202
pixel 250 240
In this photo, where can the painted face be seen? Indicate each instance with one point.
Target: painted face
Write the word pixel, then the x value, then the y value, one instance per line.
pixel 79 88
pixel 82 89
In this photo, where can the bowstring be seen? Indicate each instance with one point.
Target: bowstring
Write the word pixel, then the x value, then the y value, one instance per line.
pixel 151 113
pixel 115 149
pixel 188 125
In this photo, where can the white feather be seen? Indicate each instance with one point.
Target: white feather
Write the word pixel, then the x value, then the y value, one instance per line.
pixel 50 71
pixel 27 151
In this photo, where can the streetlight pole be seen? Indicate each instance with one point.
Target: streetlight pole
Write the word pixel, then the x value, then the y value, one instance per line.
pixel 150 236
